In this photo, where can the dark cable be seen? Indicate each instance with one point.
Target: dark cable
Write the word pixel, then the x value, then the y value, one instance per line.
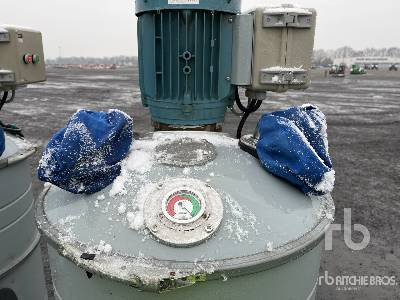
pixel 244 119
pixel 238 102
pixel 3 99
pixel 12 97
pixel 9 128
pixel 253 106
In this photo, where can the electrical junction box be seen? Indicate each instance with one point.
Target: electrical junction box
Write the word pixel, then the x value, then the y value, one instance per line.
pixel 194 54
pixel 21 57
pixel 272 48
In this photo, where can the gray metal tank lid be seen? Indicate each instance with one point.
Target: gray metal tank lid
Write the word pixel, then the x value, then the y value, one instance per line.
pixel 266 221
pixel 17 149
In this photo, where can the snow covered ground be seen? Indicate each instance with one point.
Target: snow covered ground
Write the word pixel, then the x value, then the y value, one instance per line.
pixel 363 114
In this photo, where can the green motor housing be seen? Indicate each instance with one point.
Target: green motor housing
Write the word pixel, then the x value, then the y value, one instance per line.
pixel 185 59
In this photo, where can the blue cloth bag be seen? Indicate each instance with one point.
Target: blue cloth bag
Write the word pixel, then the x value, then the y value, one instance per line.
pixel 293 145
pixel 84 157
pixel 2 142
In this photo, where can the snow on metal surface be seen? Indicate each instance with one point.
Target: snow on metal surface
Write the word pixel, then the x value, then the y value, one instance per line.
pixel 252 223
pixel 287 9
pixel 283 69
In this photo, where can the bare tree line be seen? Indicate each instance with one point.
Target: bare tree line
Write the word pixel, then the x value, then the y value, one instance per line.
pixel 320 57
pixel 326 57
pixel 117 60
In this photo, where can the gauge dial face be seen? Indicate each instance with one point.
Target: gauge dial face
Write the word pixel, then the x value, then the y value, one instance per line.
pixel 183 206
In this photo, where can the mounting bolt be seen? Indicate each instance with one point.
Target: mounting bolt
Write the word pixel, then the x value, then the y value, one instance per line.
pixel 209 228
pixel 228 78
pixel 230 20
pixel 154 228
pixel 160 185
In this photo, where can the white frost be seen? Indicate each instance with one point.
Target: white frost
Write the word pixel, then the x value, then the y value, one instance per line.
pixel 327 183
pixel 135 220
pixel 243 221
pixel 122 209
pixel 270 248
pixel 287 9
pixel 103 247
pixel 139 161
pixel 275 79
pixel 107 249
pixel 284 69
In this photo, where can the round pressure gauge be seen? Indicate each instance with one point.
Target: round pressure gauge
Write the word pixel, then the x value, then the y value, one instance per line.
pixel 183 206
pixel 183 212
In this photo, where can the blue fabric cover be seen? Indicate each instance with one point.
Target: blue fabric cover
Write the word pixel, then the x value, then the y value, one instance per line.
pixel 84 157
pixel 293 145
pixel 2 142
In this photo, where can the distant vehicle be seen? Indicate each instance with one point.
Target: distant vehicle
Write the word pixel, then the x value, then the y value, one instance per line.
pixel 357 70
pixel 393 68
pixel 371 67
pixel 338 70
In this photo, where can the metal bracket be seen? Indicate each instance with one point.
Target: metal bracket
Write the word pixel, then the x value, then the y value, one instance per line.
pixel 279 19
pixel 285 76
pixel 257 95
pixel 7 76
pixel 4 35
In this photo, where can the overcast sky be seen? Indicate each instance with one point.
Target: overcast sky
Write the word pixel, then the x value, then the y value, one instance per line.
pixel 108 27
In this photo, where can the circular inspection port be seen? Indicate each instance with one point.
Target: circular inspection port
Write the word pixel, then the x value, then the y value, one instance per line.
pixel 187 55
pixel 187 70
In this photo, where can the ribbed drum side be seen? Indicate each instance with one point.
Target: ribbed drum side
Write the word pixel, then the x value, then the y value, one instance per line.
pixel 19 238
pixel 185 65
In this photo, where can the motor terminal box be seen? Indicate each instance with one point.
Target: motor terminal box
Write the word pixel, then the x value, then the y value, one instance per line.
pixel 273 48
pixel 21 57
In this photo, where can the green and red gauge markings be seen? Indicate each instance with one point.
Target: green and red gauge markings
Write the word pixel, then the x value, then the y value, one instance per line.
pixel 31 58
pixel 35 58
pixel 183 205
pixel 28 59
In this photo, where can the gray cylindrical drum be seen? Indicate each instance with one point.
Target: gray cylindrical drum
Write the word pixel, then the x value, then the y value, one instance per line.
pixel 21 269
pixel 191 217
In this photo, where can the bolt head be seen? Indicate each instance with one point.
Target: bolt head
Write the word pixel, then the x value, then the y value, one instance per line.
pixel 209 228
pixel 154 228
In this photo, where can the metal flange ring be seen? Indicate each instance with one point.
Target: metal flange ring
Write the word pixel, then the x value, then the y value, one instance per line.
pixel 183 212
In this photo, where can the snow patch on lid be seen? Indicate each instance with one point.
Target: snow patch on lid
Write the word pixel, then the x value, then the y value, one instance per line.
pixel 324 207
pixel 283 69
pixel 103 247
pixel 121 208
pixel 136 218
pixel 241 222
pixel 215 139
pixel 66 235
pixel 18 27
pixel 141 158
pixel 138 162
pixel 327 183
pixel 287 8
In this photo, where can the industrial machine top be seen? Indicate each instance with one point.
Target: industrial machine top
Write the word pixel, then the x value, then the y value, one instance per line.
pixel 263 217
